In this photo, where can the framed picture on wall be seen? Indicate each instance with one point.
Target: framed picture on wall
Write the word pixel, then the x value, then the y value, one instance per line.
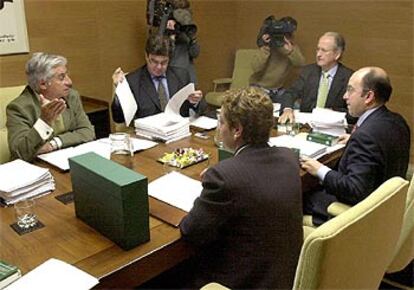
pixel 13 30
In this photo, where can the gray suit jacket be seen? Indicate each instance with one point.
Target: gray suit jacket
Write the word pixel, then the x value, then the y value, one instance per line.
pixel 22 114
pixel 247 222
pixel 306 88
pixel 146 95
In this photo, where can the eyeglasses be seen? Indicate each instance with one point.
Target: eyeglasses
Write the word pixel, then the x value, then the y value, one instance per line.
pixel 156 63
pixel 351 89
pixel 62 76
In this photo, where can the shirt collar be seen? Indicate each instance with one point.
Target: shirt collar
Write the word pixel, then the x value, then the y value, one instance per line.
pixel 332 71
pixel 365 115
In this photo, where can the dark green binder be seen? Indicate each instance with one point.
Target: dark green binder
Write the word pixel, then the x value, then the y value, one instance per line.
pixel 224 154
pixel 111 198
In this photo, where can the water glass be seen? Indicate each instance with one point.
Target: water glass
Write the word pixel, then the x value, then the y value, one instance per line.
pixel 25 214
pixel 217 137
pixel 121 144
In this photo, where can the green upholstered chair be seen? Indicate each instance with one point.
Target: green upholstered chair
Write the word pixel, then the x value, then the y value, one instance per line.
pixel 241 73
pixel 7 94
pixel 353 250
pixel 404 252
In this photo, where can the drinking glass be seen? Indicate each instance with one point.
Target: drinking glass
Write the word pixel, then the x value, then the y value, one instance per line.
pixel 25 214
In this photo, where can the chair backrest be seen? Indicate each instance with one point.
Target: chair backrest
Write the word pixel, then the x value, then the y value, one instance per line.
pixel 404 252
pixel 7 94
pixel 353 250
pixel 242 68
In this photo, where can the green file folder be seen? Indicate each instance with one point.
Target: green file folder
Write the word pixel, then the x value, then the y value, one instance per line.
pixel 111 198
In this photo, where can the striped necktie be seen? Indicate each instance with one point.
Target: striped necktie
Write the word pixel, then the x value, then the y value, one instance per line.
pixel 323 90
pixel 162 94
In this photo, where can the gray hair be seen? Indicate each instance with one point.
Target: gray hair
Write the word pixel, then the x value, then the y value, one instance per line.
pixel 40 66
pixel 339 40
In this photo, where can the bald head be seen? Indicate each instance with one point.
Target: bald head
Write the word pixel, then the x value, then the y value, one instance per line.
pixel 377 80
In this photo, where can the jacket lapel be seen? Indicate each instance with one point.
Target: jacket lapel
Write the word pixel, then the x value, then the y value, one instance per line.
pixel 148 86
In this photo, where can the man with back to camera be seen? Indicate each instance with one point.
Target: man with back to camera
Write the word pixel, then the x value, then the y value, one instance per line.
pixel 321 84
pixel 48 114
pixel 377 150
pixel 247 221
pixel 156 82
pixel 275 58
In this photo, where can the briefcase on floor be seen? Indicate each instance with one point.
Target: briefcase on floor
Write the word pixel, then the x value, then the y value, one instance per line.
pixel 111 198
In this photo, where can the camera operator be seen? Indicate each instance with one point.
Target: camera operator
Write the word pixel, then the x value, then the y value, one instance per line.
pixel 174 18
pixel 276 56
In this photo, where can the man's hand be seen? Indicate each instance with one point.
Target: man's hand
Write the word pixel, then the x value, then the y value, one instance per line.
pixel 50 110
pixel 266 38
pixel 118 76
pixel 195 97
pixel 310 165
pixel 287 116
pixel 343 139
pixel 288 45
pixel 47 147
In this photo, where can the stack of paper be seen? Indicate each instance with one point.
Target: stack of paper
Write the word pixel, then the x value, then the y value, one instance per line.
pixel 307 148
pixel 168 126
pixel 162 127
pixel 21 180
pixel 55 274
pixel 328 121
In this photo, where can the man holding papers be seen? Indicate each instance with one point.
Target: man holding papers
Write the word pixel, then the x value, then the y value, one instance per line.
pixel 247 222
pixel 377 150
pixel 155 83
pixel 48 114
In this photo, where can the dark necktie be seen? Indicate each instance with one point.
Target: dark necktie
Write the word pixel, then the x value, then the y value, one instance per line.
pixel 162 94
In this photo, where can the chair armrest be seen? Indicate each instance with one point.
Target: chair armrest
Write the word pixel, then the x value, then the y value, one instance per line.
pixel 221 82
pixel 336 208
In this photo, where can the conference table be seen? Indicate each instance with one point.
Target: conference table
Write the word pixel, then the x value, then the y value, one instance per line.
pixel 67 238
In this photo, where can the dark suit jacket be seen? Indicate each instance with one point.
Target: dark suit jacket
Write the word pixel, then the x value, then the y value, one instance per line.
pixel 378 150
pixel 146 94
pixel 306 88
pixel 247 223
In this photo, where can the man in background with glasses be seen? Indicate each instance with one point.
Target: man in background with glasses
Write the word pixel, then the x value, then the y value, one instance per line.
pixel 377 149
pixel 156 82
pixel 321 84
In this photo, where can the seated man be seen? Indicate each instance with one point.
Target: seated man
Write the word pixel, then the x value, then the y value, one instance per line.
pixel 247 222
pixel 48 114
pixel 377 150
pixel 154 83
pixel 321 84
pixel 276 56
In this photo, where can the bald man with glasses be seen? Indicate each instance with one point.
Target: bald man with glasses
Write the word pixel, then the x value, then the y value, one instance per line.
pixel 156 82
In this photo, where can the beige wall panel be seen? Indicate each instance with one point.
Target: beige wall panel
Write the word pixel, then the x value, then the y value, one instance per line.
pixel 99 35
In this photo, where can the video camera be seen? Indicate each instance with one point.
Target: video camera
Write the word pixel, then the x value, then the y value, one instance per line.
pixel 278 29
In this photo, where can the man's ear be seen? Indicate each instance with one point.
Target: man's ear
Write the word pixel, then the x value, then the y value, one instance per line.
pixel 370 97
pixel 237 131
pixel 43 85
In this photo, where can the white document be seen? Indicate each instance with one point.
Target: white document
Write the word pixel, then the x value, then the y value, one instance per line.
pixel 276 109
pixel 175 103
pixel 60 158
pixel 127 101
pixel 54 274
pixel 204 122
pixel 308 148
pixel 176 189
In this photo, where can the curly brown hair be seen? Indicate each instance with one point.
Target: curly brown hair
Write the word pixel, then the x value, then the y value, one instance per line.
pixel 253 110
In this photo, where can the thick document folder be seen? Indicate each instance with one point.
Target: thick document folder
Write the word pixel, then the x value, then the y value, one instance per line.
pixel 111 198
